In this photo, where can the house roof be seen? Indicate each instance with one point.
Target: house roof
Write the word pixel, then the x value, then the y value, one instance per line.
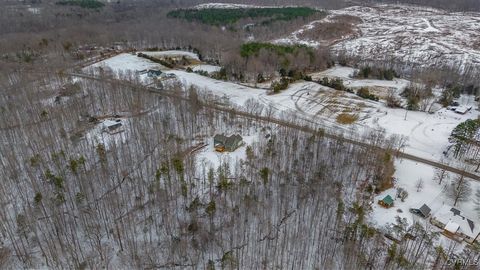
pixel 452 227
pixel 388 200
pixel 425 210
pixel 461 109
pixel 232 140
pixel 219 139
pixel 467 226
pixel 227 141
pixel 155 70
pixel 112 123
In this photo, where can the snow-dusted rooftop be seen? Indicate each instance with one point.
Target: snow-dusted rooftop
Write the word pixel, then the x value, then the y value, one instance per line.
pixel 112 123
pixel 455 220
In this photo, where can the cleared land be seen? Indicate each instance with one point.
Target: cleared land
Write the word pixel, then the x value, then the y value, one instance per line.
pixel 423 36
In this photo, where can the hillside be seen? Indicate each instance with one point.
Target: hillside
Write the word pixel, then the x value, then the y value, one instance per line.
pixel 418 36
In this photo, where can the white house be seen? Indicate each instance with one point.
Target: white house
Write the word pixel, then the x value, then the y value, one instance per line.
pixel 463 109
pixel 456 224
pixel 112 126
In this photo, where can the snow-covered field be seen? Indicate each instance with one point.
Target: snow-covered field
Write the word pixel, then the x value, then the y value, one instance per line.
pixel 235 93
pixel 207 68
pixel 427 134
pixel 419 35
pixel 127 62
pixel 346 74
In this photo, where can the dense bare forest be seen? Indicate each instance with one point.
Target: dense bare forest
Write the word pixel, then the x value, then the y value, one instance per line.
pixel 76 196
pixel 140 201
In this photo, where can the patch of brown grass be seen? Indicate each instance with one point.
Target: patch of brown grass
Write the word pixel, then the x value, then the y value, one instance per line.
pixel 338 27
pixel 346 118
pixel 347 19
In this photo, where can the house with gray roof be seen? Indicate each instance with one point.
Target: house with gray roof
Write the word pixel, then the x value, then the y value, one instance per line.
pixel 224 143
pixel 423 211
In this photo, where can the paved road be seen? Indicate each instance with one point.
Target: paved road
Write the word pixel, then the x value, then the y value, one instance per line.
pixel 289 124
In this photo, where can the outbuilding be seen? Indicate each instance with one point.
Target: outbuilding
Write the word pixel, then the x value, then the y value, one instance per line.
pixel 113 126
pixel 462 109
pixel 153 73
pixel 386 202
pixel 423 211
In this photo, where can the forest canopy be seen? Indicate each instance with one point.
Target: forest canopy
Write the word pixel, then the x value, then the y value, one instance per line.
pixel 217 16
pixel 82 3
pixel 253 48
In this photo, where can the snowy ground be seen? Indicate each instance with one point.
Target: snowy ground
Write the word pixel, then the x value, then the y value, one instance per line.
pixel 346 74
pixel 126 62
pixel 232 92
pixel 432 194
pixel 209 158
pixel 427 134
pixel 412 34
pixel 207 68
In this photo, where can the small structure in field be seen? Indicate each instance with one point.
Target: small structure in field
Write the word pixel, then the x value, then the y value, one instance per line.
pixel 113 126
pixel 423 211
pixel 153 73
pixel 386 202
pixel 462 109
pixel 223 143
pixel 168 76
pixel 455 225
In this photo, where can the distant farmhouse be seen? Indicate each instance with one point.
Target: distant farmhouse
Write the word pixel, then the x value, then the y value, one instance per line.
pixel 223 143
pixel 460 109
pixel 113 126
pixel 455 225
pixel 463 109
pixel 153 73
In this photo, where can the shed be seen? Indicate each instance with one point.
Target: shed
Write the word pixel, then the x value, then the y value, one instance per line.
pixel 153 73
pixel 387 201
pixel 423 211
pixel 113 126
pixel 462 109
